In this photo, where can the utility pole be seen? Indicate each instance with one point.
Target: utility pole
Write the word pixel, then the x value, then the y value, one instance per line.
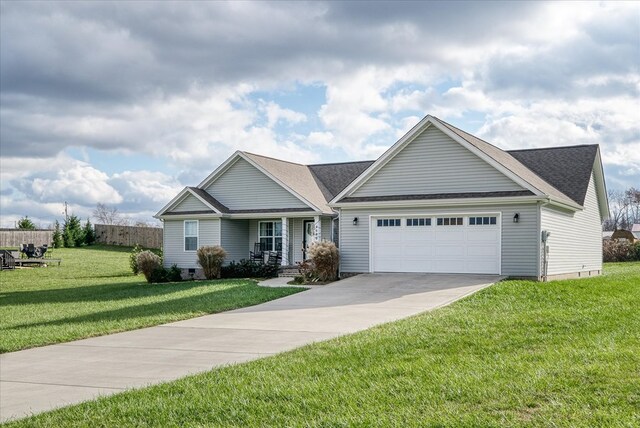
pixel 66 213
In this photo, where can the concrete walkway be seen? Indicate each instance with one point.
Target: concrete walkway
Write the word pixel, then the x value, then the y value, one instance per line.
pixel 40 379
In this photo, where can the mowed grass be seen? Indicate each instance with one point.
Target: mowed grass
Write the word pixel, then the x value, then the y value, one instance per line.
pixel 93 292
pixel 559 354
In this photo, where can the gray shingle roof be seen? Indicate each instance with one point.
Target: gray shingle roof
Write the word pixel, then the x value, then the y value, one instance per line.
pixel 568 169
pixel 334 177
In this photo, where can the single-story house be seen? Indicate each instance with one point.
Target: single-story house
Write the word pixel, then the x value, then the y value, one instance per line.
pixel 438 200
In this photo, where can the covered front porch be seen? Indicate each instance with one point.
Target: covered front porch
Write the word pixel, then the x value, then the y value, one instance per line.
pixel 288 235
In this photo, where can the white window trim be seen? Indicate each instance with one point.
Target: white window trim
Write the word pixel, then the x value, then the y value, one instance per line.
pixel 184 235
pixel 274 236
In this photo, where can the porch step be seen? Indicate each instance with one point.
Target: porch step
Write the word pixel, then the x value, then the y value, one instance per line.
pixel 288 272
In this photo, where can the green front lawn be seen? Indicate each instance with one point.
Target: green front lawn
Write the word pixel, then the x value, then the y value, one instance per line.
pixel 93 292
pixel 560 354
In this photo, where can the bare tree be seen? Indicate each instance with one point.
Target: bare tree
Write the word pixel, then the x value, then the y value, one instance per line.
pixel 108 215
pixel 624 207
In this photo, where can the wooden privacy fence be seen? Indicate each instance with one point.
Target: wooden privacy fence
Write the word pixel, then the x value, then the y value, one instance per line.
pixel 16 237
pixel 128 236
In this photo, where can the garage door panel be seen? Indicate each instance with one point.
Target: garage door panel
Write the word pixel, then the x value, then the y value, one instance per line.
pixel 440 249
pixel 483 251
pixel 482 235
pixel 449 234
pixel 450 250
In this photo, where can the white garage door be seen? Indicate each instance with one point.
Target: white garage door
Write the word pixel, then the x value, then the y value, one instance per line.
pixel 444 244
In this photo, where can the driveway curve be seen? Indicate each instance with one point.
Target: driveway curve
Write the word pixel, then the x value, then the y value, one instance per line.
pixel 40 379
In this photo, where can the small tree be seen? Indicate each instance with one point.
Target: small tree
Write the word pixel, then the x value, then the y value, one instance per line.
pixel 57 236
pixel 89 233
pixel 72 232
pixel 25 223
pixel 211 258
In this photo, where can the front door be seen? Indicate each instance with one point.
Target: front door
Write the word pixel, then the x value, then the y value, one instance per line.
pixel 307 233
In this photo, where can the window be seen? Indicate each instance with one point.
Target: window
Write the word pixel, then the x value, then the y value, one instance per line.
pixel 418 222
pixel 190 235
pixel 270 235
pixel 388 222
pixel 449 221
pixel 479 221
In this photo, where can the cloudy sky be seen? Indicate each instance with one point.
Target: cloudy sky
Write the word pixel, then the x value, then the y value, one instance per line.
pixel 125 103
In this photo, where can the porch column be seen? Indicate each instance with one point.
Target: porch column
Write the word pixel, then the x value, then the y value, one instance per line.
pixel 317 228
pixel 285 242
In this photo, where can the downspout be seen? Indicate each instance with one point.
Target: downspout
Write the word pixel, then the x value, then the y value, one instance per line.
pixel 544 238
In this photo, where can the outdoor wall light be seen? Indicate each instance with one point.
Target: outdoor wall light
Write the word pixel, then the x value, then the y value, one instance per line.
pixel 516 217
pixel 355 221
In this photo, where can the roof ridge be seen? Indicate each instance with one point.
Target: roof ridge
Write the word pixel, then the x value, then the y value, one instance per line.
pixel 552 148
pixel 272 158
pixel 339 163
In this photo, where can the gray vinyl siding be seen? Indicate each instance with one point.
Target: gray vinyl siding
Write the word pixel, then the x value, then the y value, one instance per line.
pixel 575 243
pixel 519 240
pixel 190 203
pixel 235 239
pixel 173 243
pixel 434 163
pixel 242 186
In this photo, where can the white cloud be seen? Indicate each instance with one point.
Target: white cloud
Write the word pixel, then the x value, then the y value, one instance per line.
pixel 275 114
pixel 81 184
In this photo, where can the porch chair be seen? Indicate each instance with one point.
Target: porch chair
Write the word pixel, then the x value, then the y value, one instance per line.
pixel 257 255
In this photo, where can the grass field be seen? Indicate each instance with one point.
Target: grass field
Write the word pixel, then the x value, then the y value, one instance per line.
pixel 559 354
pixel 93 292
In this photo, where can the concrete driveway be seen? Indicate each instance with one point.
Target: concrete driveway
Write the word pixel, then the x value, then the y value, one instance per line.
pixel 40 379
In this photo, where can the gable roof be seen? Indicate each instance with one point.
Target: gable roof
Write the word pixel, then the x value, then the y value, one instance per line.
pixel 542 172
pixel 295 176
pixel 499 159
pixel 551 165
pixel 210 202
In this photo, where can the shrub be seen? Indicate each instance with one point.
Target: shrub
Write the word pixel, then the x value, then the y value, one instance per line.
pixel 211 258
pixel 325 257
pixel 57 236
pixel 618 250
pixel 147 263
pixel 307 271
pixel 174 274
pixel 248 269
pixel 636 251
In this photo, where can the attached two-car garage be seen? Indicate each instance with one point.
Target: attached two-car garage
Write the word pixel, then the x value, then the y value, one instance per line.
pixel 454 243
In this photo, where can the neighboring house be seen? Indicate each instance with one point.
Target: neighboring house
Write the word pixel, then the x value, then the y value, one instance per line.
pixel 439 200
pixel 635 229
